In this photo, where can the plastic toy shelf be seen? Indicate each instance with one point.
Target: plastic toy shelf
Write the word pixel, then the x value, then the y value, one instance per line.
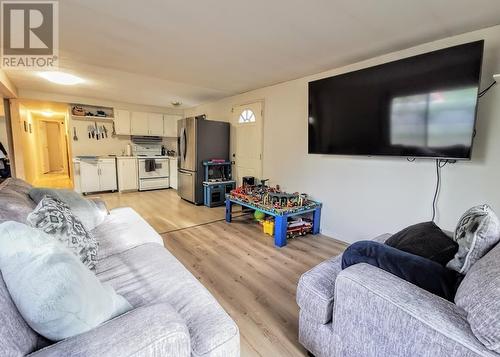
pixel 280 216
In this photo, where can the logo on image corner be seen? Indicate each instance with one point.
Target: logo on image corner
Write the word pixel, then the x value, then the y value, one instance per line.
pixel 30 35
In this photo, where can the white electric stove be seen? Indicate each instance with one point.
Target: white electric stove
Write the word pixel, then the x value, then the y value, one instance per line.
pixel 153 168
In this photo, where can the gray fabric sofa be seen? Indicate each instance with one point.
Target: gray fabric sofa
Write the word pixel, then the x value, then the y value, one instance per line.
pixel 173 315
pixel 365 311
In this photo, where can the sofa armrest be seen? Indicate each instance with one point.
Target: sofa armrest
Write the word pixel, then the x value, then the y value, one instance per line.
pixel 154 330
pixel 101 205
pixel 377 311
pixel 316 287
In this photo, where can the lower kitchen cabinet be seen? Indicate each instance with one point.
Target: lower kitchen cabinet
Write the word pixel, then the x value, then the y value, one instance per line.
pixel 97 175
pixel 173 172
pixel 127 174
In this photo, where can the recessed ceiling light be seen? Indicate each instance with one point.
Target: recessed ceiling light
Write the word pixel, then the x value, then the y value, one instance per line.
pixel 61 78
pixel 176 103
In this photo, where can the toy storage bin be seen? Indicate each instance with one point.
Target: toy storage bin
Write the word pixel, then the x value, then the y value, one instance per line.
pixel 268 226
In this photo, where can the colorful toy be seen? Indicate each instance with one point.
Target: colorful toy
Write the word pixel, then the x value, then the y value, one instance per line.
pixel 268 226
pixel 259 215
pixel 299 227
pixel 271 198
pixel 278 204
pixel 217 182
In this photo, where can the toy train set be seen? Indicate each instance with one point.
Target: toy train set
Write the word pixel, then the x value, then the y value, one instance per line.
pixel 275 202
pixel 272 199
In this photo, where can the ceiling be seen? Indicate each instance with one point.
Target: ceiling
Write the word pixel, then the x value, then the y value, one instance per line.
pixel 152 52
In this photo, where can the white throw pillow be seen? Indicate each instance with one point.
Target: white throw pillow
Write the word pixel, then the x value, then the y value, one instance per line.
pixel 54 292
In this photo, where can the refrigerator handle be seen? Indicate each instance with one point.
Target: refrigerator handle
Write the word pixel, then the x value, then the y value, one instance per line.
pixel 185 142
pixel 181 143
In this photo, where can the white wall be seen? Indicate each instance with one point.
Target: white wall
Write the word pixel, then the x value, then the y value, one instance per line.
pixel 365 196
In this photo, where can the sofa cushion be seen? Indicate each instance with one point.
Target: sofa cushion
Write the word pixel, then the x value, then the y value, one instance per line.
pixel 123 229
pixel 56 219
pixel 478 230
pixel 16 337
pixel 149 274
pixel 316 287
pixel 479 296
pixel 426 240
pixel 87 211
pixel 15 205
pixel 54 292
pixel 19 185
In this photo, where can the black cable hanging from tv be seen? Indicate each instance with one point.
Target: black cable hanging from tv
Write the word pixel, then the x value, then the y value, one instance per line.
pixel 484 91
pixel 440 163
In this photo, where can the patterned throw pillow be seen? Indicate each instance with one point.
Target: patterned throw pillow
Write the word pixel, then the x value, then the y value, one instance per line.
pixel 478 230
pixel 55 218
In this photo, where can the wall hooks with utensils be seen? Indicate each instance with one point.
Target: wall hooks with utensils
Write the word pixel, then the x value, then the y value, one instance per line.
pixel 95 131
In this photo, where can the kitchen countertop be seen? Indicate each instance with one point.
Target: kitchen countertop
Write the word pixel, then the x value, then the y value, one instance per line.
pixel 95 157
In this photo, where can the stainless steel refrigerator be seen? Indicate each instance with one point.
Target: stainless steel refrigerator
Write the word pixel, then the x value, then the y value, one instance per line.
pixel 199 140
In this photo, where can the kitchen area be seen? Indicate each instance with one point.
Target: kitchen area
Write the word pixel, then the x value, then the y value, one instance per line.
pixel 122 150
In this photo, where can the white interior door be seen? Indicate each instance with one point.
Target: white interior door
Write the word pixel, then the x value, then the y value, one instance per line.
pixel 44 145
pixel 248 139
pixel 56 159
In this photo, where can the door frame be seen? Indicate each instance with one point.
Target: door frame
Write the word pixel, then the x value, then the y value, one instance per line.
pixel 262 131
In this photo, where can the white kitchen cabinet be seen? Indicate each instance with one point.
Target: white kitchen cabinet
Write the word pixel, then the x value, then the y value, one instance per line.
pixel 170 125
pixel 89 176
pixel 107 175
pixel 139 123
pixel 122 122
pixel 173 172
pixel 155 124
pixel 127 174
pixel 97 175
pixel 146 124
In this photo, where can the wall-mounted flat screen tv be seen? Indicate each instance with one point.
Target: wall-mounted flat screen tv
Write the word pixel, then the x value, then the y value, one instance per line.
pixel 421 106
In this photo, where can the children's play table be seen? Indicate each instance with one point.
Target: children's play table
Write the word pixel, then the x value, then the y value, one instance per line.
pixel 280 216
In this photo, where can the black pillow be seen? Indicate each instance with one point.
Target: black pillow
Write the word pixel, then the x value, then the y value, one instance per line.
pixel 426 240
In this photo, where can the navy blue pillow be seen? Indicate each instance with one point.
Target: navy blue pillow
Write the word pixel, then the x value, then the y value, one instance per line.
pixel 426 240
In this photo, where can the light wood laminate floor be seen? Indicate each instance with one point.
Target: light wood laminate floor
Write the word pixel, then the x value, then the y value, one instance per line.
pixel 254 281
pixel 163 209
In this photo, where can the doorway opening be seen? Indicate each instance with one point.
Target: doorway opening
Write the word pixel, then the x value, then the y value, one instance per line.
pixel 52 161
pixel 42 151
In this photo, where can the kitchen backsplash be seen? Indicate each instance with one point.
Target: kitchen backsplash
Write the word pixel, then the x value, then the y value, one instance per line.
pixel 170 144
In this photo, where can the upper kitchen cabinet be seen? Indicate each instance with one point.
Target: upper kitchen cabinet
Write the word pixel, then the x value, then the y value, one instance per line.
pixel 122 122
pixel 139 123
pixel 170 125
pixel 155 124
pixel 145 124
